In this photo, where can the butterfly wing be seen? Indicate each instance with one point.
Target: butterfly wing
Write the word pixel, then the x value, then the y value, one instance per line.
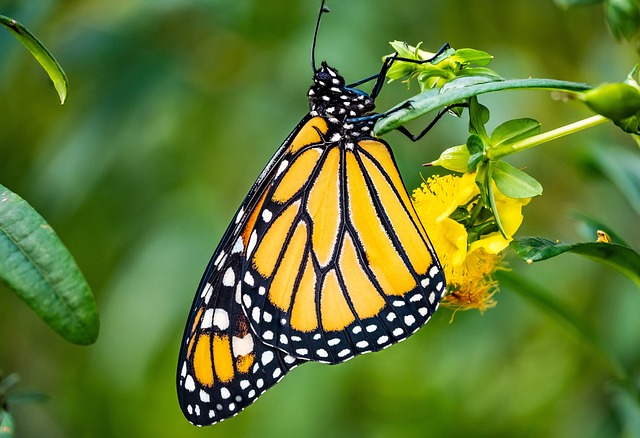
pixel 223 367
pixel 337 262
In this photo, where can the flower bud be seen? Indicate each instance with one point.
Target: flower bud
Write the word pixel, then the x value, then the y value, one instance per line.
pixel 615 101
pixel 455 158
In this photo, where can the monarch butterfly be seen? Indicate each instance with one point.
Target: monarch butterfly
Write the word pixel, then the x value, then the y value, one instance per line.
pixel 325 259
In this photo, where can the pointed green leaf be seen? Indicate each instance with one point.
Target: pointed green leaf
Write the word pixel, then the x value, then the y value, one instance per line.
pixel 8 381
pixel 478 117
pixel 589 227
pixel 7 427
pixel 621 258
pixel 621 166
pixel 514 130
pixel 513 182
pixel 571 3
pixel 473 56
pixel 491 198
pixel 623 18
pixel 27 396
pixel 475 146
pixel 37 266
pixel 42 55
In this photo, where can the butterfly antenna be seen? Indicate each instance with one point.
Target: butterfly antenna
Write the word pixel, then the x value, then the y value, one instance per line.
pixel 323 9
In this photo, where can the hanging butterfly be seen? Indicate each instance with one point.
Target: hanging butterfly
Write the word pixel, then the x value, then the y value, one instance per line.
pixel 324 260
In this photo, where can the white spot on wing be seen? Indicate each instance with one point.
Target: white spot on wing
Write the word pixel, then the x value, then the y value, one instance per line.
pixel 240 215
pixel 238 246
pixel 204 396
pixel 282 167
pixel 252 243
pixel 242 346
pixel 207 319
pixel 189 384
pixel 255 314
pixel 267 357
pixel 220 319
pixel 229 278
pixel 409 320
pixel 218 261
pixel 206 293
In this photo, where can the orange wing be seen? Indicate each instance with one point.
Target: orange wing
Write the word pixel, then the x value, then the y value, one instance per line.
pixel 336 262
pixel 223 366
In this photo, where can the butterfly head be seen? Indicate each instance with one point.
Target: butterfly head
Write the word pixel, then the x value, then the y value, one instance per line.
pixel 329 96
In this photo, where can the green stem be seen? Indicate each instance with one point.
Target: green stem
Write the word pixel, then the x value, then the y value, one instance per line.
pixel 499 152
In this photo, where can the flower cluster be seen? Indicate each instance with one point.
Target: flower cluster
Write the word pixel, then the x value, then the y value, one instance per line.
pixel 465 236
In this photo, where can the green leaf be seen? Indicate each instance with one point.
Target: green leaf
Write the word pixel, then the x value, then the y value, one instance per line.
pixel 513 182
pixel 37 266
pixel 621 258
pixel 7 427
pixel 623 18
pixel 621 166
pixel 475 146
pixel 42 55
pixel 515 130
pixel 8 381
pixel 478 117
pixel 491 198
pixel 589 227
pixel 27 396
pixel 565 4
pixel 473 56
pixel 457 91
pixel 565 314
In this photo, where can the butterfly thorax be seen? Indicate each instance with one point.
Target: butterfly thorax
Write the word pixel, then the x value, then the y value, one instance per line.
pixel 330 98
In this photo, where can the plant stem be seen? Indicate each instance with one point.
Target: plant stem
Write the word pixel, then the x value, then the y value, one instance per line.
pixel 499 152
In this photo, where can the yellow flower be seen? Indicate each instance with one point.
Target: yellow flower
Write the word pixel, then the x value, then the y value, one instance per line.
pixel 510 213
pixel 450 210
pixel 434 202
pixel 471 284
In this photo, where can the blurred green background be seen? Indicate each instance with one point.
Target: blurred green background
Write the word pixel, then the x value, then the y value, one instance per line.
pixel 175 107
